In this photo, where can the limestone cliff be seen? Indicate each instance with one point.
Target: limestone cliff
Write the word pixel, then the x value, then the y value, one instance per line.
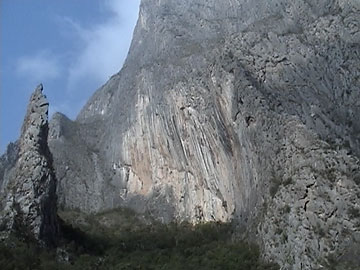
pixel 28 183
pixel 230 110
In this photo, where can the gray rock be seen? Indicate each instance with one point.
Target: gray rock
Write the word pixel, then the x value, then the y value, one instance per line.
pixel 229 110
pixel 29 189
pixel 7 163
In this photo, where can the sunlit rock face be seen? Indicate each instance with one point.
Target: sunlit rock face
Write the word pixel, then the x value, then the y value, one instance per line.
pixel 229 110
pixel 28 189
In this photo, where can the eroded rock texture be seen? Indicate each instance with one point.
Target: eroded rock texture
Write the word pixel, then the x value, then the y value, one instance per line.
pixel 244 110
pixel 28 183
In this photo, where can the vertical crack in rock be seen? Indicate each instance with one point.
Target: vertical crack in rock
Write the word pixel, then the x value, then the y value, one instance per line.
pixel 29 206
pixel 230 110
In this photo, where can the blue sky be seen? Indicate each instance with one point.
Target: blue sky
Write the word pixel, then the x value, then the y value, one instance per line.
pixel 71 46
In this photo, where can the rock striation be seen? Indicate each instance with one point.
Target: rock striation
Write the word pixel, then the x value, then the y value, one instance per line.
pixel 28 182
pixel 244 111
pixel 230 110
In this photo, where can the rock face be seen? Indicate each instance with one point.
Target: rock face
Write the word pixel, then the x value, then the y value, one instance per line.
pixel 28 183
pixel 229 110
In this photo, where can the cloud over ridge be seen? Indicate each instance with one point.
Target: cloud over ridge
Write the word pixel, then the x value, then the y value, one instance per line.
pixel 105 45
pixel 91 54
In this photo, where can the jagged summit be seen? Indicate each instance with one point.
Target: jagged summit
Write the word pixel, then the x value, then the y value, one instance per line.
pixel 35 126
pixel 242 111
pixel 29 185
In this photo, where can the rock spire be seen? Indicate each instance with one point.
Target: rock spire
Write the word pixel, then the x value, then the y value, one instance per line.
pixel 29 208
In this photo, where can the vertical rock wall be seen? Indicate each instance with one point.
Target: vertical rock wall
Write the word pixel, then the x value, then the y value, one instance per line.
pixel 229 110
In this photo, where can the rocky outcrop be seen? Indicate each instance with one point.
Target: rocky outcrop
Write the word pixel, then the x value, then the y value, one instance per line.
pixel 7 163
pixel 230 110
pixel 28 181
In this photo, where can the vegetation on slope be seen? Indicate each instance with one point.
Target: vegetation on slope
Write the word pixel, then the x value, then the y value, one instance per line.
pixel 121 240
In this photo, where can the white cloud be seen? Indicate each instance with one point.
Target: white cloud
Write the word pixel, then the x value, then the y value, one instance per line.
pixel 39 67
pixel 105 45
pixel 92 53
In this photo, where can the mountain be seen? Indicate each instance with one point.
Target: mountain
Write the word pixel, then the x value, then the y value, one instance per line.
pixel 28 182
pixel 242 111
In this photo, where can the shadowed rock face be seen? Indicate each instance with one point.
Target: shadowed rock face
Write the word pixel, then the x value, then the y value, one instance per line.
pixel 28 182
pixel 244 110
